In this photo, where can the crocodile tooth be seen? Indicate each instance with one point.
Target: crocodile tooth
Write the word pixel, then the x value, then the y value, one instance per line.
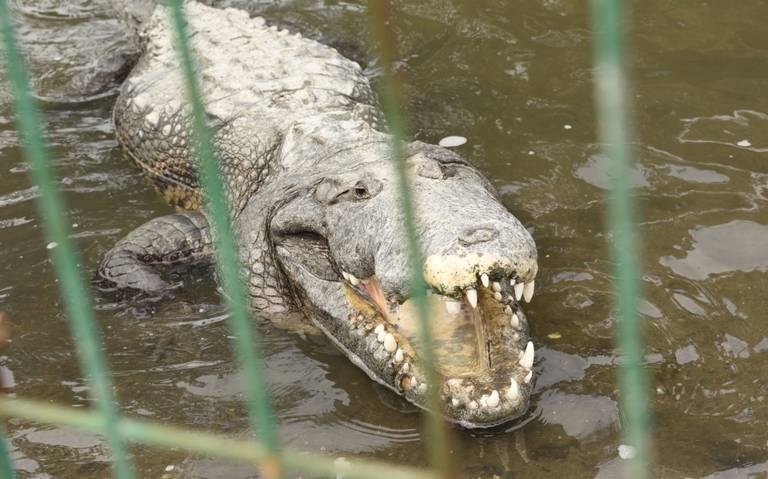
pixel 512 281
pixel 527 360
pixel 378 329
pixel 345 275
pixel 353 280
pixel 472 297
pixel 497 296
pixel 453 307
pixel 528 292
pixel 455 402
pixel 472 405
pixel 399 356
pixel 519 291
pixel 390 344
pixel 496 286
pixel 508 310
pixel 380 337
pixel 484 279
pixel 484 400
pixel 514 390
pixel 528 377
pixel 406 367
pixel 493 399
pixel 515 320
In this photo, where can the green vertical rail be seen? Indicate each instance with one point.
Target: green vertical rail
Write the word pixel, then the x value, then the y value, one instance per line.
pixel 614 132
pixel 392 100
pixel 72 288
pixel 246 348
pixel 6 464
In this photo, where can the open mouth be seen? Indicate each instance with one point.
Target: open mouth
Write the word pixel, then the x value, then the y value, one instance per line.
pixel 480 333
pixel 484 357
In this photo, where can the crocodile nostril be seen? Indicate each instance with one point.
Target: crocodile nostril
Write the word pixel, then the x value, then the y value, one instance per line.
pixel 477 235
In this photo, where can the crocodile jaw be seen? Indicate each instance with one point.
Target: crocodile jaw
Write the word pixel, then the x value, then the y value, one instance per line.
pixel 484 356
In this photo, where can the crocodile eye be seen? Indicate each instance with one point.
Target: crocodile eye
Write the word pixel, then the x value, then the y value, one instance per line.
pixel 331 191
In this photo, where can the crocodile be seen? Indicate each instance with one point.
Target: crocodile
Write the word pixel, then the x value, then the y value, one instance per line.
pixel 306 159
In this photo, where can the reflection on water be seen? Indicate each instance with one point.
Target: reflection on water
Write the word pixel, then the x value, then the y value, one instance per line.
pixel 734 246
pixel 743 129
pixel 514 79
pixel 582 417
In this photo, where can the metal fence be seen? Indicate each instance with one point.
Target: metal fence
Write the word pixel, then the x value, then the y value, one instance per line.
pixel 265 452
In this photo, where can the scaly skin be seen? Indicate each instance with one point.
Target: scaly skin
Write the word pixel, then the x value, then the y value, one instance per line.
pixel 314 206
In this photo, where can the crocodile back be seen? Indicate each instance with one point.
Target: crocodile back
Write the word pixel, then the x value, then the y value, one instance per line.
pixel 258 84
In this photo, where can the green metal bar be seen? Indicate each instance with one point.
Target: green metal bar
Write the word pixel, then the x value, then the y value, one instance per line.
pixel 65 259
pixel 614 132
pixel 392 99
pixel 6 463
pixel 199 442
pixel 246 347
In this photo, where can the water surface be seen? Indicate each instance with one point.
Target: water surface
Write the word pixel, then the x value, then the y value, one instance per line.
pixel 515 78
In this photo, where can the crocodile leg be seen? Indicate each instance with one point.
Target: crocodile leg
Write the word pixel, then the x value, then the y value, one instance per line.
pixel 143 259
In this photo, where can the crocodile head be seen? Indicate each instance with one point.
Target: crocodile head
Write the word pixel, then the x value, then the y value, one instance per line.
pixel 341 248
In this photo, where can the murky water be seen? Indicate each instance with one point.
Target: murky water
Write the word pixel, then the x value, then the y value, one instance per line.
pixel 513 77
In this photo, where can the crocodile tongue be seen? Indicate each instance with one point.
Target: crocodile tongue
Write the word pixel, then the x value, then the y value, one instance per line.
pixel 373 290
pixel 483 357
pixel 458 338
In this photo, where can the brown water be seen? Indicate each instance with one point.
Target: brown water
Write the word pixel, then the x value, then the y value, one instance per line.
pixel 514 78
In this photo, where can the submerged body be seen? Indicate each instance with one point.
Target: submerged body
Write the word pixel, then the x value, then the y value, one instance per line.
pixel 314 207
